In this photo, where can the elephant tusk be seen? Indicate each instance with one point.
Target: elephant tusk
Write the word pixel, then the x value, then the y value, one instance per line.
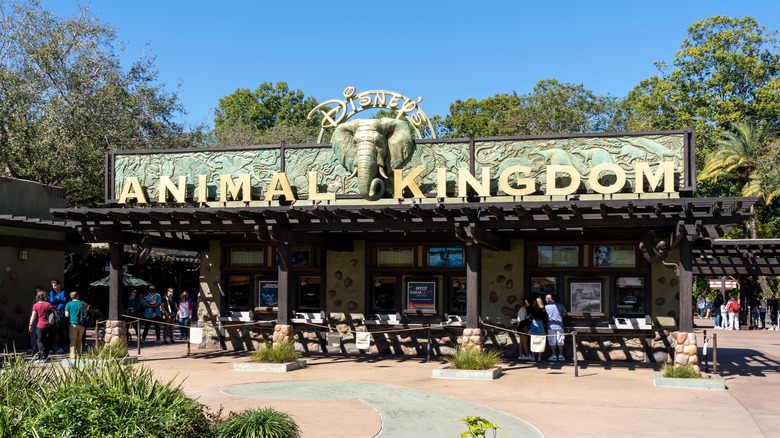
pixel 383 173
pixel 354 173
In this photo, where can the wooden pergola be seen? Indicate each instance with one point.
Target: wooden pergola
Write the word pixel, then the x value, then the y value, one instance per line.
pixel 688 223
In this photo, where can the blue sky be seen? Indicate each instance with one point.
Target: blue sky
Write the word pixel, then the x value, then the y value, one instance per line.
pixel 441 51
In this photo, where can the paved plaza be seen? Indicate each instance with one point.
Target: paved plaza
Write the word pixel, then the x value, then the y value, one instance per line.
pixel 337 396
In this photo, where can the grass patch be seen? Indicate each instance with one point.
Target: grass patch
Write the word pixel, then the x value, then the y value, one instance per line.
pixel 282 352
pixel 259 423
pixel 474 359
pixel 681 372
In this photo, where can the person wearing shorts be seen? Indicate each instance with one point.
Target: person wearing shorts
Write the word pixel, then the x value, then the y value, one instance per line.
pixel 555 314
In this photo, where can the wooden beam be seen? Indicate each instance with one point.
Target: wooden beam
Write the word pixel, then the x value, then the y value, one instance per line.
pixel 549 211
pixel 419 212
pixel 603 210
pixel 522 211
pixel 300 215
pixel 346 214
pixel 110 236
pixel 498 212
pixel 487 239
pixel 371 214
pixel 323 214
pixel 471 213
pixel 319 240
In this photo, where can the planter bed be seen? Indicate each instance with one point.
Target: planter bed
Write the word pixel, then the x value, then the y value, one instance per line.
pixel 82 362
pixel 269 367
pixel 707 381
pixel 452 373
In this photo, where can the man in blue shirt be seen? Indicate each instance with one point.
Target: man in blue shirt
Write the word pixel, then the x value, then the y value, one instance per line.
pixel 58 298
pixel 555 338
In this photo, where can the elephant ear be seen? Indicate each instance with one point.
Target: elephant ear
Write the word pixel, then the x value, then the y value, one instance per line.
pixel 399 140
pixel 343 141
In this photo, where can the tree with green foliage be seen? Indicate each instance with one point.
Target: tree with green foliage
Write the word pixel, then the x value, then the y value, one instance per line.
pixel 740 160
pixel 65 100
pixel 727 71
pixel 552 107
pixel 270 114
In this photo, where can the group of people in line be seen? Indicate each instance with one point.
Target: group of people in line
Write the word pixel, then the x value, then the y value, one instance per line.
pixel 541 319
pixel 155 310
pixel 727 314
pixel 54 322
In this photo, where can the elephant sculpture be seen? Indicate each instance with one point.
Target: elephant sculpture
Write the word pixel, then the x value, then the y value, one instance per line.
pixel 367 147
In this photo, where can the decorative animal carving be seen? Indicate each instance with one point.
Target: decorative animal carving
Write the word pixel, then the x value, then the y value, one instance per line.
pixel 370 146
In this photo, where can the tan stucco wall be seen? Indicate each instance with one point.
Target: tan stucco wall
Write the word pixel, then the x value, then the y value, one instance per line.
pixel 665 285
pixel 502 282
pixel 345 280
pixel 210 293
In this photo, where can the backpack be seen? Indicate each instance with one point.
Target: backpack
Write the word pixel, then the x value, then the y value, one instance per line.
pixel 84 317
pixel 734 307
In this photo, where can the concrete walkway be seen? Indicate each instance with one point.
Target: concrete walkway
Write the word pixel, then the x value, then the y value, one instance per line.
pixel 368 397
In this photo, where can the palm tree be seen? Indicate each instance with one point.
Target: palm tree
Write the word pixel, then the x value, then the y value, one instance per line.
pixel 742 157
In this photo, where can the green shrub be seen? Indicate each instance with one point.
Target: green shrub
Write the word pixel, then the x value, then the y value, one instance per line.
pixel 259 423
pixel 282 352
pixel 474 359
pixel 104 351
pixel 478 427
pixel 108 399
pixel 681 372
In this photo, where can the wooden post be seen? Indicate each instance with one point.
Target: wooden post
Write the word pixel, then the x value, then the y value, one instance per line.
pixel 283 261
pixel 115 281
pixel 686 285
pixel 473 294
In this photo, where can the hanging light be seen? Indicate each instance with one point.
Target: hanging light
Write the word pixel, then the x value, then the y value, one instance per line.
pixel 23 254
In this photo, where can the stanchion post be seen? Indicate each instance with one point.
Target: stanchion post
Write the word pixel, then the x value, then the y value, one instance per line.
pixel 574 352
pixel 705 349
pixel 138 335
pixel 714 353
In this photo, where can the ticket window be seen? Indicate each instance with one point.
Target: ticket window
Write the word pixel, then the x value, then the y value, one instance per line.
pixel 456 300
pixel 383 295
pixel 630 296
pixel 239 293
pixel 310 294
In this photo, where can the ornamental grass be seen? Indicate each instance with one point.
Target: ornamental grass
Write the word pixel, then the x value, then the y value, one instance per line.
pixel 281 352
pixel 259 423
pixel 680 372
pixel 474 359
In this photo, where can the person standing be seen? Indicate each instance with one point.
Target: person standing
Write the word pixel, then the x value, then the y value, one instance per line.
pixel 523 325
pixel 700 306
pixel 724 315
pixel 716 308
pixel 152 313
pixel 168 309
pixel 133 307
pixel 183 315
pixel 707 307
pixel 76 330
pixel 58 298
pixel 555 339
pixel 39 324
pixel 538 322
pixel 733 314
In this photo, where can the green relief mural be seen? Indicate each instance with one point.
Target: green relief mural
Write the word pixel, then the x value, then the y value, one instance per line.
pixel 432 156
pixel 581 153
pixel 332 176
pixel 261 164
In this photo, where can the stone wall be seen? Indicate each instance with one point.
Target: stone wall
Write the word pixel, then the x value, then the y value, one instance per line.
pixel 686 352
pixel 502 282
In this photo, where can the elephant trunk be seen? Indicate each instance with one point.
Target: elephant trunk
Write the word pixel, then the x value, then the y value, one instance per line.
pixel 371 187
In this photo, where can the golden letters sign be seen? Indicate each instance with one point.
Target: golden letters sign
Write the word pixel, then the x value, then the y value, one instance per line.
pixel 560 180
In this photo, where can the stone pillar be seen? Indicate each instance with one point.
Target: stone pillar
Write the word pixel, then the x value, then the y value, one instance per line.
pixel 283 333
pixel 472 338
pixel 115 333
pixel 686 353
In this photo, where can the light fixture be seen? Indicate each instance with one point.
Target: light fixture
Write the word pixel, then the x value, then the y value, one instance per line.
pixel 304 282
pixel 378 283
pixel 23 254
pixel 455 283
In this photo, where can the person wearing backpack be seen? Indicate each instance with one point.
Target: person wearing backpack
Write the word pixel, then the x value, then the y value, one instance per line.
pixel 72 312
pixel 58 298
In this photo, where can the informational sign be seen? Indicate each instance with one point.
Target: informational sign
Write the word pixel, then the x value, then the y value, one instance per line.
pixel 724 284
pixel 389 256
pixel 196 335
pixel 421 295
pixel 269 294
pixel 362 340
